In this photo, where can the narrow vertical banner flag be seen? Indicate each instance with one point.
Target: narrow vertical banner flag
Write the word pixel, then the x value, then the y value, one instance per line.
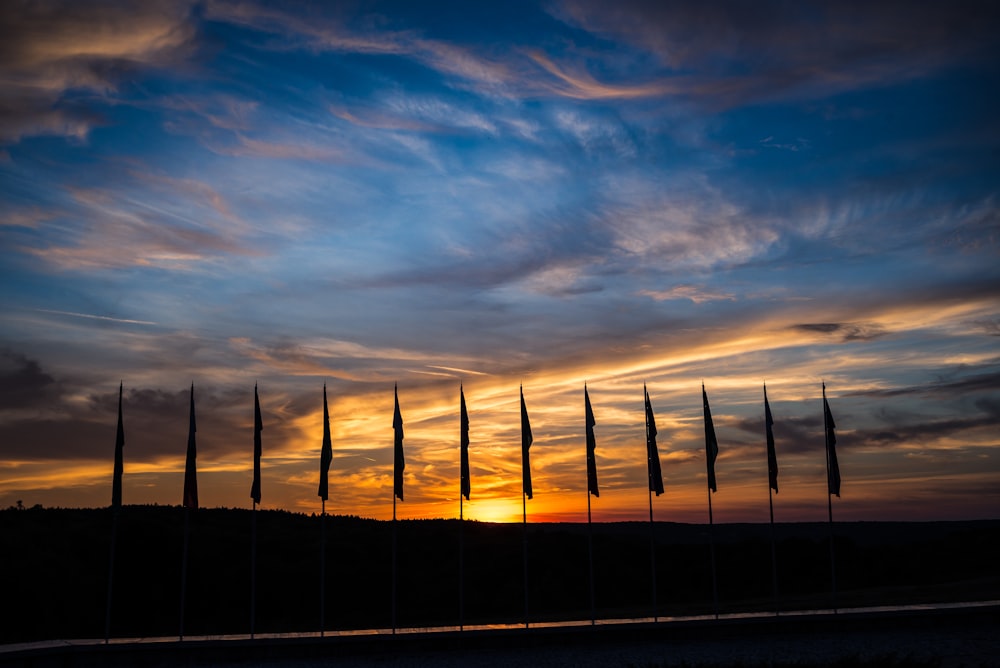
pixel 591 445
pixel 190 468
pixel 464 440
pixel 652 454
pixel 325 453
pixel 772 457
pixel 832 467
pixel 398 462
pixel 526 440
pixel 116 481
pixel 711 442
pixel 258 427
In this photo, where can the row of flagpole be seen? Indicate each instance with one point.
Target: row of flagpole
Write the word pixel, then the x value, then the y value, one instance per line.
pixel 655 486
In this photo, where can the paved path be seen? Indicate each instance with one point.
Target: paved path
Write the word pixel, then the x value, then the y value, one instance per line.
pixel 949 636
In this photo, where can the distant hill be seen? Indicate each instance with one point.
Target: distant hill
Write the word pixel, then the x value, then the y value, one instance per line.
pixel 55 569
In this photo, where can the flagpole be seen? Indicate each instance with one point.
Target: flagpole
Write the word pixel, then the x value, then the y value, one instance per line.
pixel 184 566
pixel 774 557
pixel 116 504
pixel 833 560
pixel 253 568
pixel 461 564
pixel 711 547
pixel 655 480
pixel 829 503
pixel 398 467
pixel 524 523
pixel 258 427
pixel 711 452
pixel 652 553
pixel 590 555
pixel 394 564
pixel 464 488
pixel 111 575
pixel 591 489
pixel 325 459
pixel 771 485
pixel 526 491
pixel 322 568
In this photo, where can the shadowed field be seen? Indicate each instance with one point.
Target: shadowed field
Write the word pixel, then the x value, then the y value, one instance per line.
pixel 55 570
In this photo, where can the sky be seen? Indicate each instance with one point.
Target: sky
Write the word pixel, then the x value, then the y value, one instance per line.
pixel 439 195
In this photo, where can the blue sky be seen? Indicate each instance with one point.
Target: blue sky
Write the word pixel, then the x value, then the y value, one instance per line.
pixel 499 194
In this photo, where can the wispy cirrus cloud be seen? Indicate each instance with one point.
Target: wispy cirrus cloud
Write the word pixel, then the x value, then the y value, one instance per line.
pixel 328 30
pixel 55 51
pixel 695 293
pixel 123 230
pixel 772 50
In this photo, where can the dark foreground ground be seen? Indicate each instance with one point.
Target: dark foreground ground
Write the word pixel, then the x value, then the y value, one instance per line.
pixel 54 566
pixel 945 638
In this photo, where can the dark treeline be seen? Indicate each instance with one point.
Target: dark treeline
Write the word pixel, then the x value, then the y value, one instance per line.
pixel 55 566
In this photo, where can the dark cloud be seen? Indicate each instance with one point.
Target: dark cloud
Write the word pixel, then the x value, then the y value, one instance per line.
pixel 792 435
pixel 846 331
pixel 156 421
pixel 943 388
pixel 922 432
pixel 802 435
pixel 23 383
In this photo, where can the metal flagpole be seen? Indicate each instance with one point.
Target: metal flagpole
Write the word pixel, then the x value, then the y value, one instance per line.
pixel 394 563
pixel 111 575
pixel 829 501
pixel 461 565
pixel 772 486
pixel 711 547
pixel 774 553
pixel 652 552
pixel 116 505
pixel 258 428
pixel 322 568
pixel 833 559
pixel 398 466
pixel 711 452
pixel 464 490
pixel 253 569
pixel 184 567
pixel 325 459
pixel 655 480
pixel 590 554
pixel 591 489
pixel 524 523
pixel 190 502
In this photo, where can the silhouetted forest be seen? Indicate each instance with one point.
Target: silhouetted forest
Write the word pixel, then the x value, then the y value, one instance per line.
pixel 55 570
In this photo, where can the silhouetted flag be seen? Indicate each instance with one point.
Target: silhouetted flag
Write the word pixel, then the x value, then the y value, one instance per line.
pixel 711 442
pixel 832 468
pixel 652 454
pixel 258 427
pixel 116 482
pixel 190 468
pixel 398 464
pixel 772 457
pixel 325 453
pixel 591 446
pixel 526 441
pixel 464 473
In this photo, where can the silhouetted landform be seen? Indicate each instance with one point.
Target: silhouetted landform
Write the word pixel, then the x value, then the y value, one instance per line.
pixel 55 568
